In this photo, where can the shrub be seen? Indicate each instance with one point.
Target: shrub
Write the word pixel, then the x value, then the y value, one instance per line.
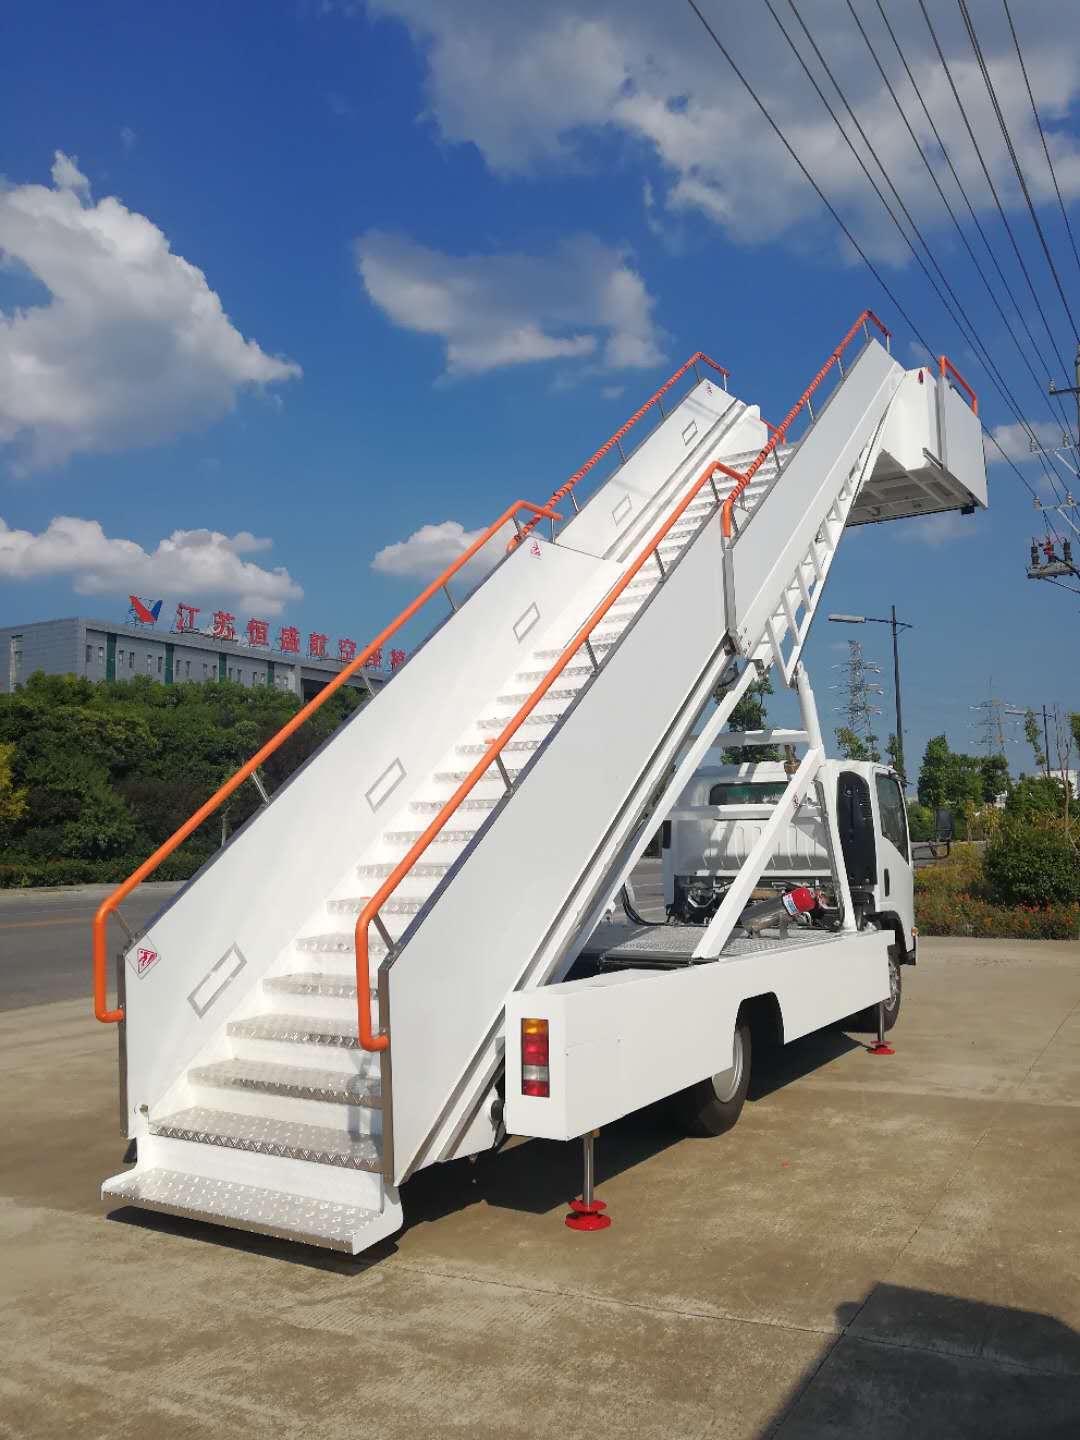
pixel 1033 864
pixel 18 872
pixel 963 914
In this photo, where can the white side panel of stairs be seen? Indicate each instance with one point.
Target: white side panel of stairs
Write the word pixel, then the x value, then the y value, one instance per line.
pixel 621 512
pixel 765 558
pixel 484 931
pixel 226 930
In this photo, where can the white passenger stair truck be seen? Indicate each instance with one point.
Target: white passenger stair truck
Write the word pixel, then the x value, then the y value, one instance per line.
pixel 339 997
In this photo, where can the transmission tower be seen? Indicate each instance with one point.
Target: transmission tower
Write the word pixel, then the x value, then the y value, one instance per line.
pixel 859 688
pixel 996 717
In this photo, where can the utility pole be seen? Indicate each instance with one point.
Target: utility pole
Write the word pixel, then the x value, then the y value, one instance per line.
pixel 896 626
pixel 1056 559
pixel 1073 389
pixel 859 709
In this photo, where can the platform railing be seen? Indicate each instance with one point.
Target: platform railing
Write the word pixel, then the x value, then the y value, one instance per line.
pixel 249 771
pixel 950 373
pixel 369 915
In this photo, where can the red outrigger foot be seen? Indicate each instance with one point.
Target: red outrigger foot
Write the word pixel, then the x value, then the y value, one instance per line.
pixel 588 1217
pixel 880 1047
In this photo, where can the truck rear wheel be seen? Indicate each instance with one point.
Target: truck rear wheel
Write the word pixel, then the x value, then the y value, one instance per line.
pixel 867 1019
pixel 712 1106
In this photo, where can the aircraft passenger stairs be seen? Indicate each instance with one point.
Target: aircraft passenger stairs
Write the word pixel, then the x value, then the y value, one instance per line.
pixel 318 1013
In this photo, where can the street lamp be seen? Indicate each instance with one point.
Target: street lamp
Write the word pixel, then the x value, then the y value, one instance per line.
pixel 896 625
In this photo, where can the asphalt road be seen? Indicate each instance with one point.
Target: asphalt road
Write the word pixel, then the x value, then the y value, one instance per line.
pixel 45 939
pixel 45 934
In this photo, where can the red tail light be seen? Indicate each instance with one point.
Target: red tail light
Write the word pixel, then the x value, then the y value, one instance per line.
pixel 535 1074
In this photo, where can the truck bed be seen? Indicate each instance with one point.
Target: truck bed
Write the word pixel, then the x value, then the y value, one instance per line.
pixel 614 945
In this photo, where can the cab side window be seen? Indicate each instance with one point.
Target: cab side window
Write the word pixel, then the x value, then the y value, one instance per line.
pixel 893 817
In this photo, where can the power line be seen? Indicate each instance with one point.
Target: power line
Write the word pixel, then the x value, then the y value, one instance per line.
pixel 967 201
pixel 952 213
pixel 1016 163
pixel 1042 136
pixel 965 326
pixel 901 311
pixel 810 179
pixel 990 183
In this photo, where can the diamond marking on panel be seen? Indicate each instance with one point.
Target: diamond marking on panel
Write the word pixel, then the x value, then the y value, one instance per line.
pixel 526 621
pixel 382 788
pixel 622 510
pixel 217 980
pixel 299 1082
pixel 243 1207
pixel 320 1144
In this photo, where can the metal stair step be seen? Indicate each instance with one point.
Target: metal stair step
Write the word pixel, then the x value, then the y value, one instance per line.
pixel 353 904
pixel 244 1207
pixel 526 675
pixel 334 987
pixel 298 1030
pixel 455 777
pixel 536 717
pixel 563 694
pixel 422 870
pixel 320 1144
pixel 338 942
pixel 517 747
pixel 444 837
pixel 298 1082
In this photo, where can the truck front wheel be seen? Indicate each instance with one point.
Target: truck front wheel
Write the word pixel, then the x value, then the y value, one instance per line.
pixel 712 1106
pixel 867 1019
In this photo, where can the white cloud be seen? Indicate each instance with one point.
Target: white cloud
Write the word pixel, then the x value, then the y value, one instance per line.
pixel 531 85
pixel 128 138
pixel 612 392
pixel 584 300
pixel 1016 442
pixel 189 564
pixel 429 550
pixel 133 347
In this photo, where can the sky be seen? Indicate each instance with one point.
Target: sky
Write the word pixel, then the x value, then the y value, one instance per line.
pixel 297 296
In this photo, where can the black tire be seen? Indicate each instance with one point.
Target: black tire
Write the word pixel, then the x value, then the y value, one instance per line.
pixel 867 1019
pixel 712 1106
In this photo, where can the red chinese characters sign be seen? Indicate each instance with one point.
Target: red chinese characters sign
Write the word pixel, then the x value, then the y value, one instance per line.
pixel 288 641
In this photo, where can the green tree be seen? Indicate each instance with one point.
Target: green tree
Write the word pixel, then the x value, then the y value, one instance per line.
pixel 995 777
pixel 856 747
pixel 1034 738
pixel 892 753
pixel 12 800
pixel 751 713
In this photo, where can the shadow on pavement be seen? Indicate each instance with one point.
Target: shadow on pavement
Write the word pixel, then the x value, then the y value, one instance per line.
pixel 910 1364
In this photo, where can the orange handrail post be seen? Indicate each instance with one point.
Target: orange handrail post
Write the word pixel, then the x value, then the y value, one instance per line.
pixel 108 905
pixel 368 1039
pixel 948 368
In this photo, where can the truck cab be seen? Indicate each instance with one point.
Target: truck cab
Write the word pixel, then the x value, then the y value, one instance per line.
pixel 722 812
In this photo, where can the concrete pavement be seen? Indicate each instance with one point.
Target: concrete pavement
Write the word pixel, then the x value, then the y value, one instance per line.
pixel 881 1246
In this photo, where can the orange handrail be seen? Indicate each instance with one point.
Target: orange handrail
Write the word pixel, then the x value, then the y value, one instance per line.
pixel 245 772
pixel 948 368
pixel 567 486
pixel 779 433
pixel 368 1039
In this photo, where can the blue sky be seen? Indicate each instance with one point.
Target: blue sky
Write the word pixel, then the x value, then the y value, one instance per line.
pixel 445 248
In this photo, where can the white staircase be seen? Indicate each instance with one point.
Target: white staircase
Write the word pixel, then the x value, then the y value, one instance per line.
pixel 247 1089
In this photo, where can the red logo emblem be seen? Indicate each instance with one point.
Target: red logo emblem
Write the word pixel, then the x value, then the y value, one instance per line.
pixel 534 550
pixel 145 960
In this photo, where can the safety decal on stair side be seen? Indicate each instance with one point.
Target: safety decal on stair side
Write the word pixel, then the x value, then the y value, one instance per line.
pixel 534 549
pixel 144 959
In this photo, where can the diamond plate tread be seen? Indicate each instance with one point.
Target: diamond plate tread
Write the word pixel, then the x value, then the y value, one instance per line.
pixel 444 837
pixel 299 1082
pixel 243 1207
pixel 680 941
pixel 455 777
pixel 338 942
pixel 322 1144
pixel 334 987
pixel 298 1030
